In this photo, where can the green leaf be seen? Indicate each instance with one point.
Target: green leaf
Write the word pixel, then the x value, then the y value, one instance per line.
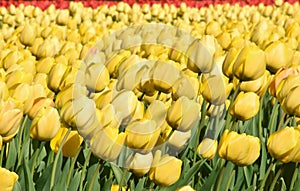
pixel 212 178
pixel 140 184
pixel 12 155
pixel 17 187
pixel 28 177
pixel 92 177
pixel 43 183
pixel 74 184
pixel 107 184
pixel 62 180
pixel 118 172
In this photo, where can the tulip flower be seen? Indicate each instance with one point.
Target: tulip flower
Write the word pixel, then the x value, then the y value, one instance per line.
pixel 12 58
pixel 278 55
pixel 165 169
pixel 140 164
pixel 164 76
pixel 229 61
pixel 4 94
pixel 45 125
pixel 96 77
pixel 55 76
pixel 213 89
pixel 44 65
pixel 70 146
pixel 142 134
pixel 48 48
pixel 113 64
pixel 62 17
pixel 184 87
pixel 183 114
pixel 79 112
pixel 291 104
pixel 250 64
pixel 179 139
pixel 207 148
pixel 107 143
pixel 103 99
pixel 185 188
pixel 284 144
pixel 199 58
pixel 286 85
pixel 7 179
pixel 241 149
pixel 10 119
pixel 16 77
pixel 28 35
pixel 125 104
pixel 245 106
pixel 156 111
pixel 38 104
pixel 115 187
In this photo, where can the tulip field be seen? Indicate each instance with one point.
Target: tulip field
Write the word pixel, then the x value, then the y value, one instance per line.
pixel 149 95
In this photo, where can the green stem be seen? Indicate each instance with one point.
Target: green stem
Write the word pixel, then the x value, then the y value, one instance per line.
pixel 220 177
pixel 261 188
pixel 36 154
pixel 2 154
pixel 232 174
pixel 228 117
pixel 294 178
pixel 74 159
pixel 83 174
pixel 122 179
pixel 20 142
pixel 56 159
pixel 276 178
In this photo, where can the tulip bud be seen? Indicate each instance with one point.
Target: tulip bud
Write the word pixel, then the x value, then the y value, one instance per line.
pixel 113 63
pixel 245 106
pixel 278 55
pixel 62 17
pixel 10 120
pixel 179 139
pixel 157 112
pixel 8 179
pixel 213 28
pixel 4 94
pixel 55 76
pixel 70 146
pixel 79 112
pixel 125 103
pixel 108 143
pixel 241 149
pixel 165 170
pixel 116 187
pixel 17 77
pixel 142 134
pixel 284 144
pixel 213 89
pixel 291 104
pixel 229 61
pixel 184 87
pixel 183 114
pixel 45 125
pixel 44 65
pixel 199 58
pixel 286 85
pixel 14 57
pixel 28 35
pixel 250 64
pixel 96 77
pixel 140 164
pixel 207 148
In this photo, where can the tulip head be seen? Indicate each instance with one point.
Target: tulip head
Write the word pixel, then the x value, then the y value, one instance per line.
pixel 207 148
pixel 7 179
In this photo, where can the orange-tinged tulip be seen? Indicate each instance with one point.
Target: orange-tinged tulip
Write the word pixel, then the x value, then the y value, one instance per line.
pixel 38 104
pixel 70 146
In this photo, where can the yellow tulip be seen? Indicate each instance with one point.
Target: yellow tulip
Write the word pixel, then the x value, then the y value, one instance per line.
pixel 140 164
pixel 165 170
pixel 44 65
pixel 199 58
pixel 125 104
pixel 62 17
pixel 207 148
pixel 10 119
pixel 142 134
pixel 113 63
pixel 28 35
pixel 79 112
pixel 13 57
pixel 250 64
pixel 7 179
pixel 183 114
pixel 278 55
pixel 229 61
pixel 45 125
pixel 70 146
pixel 115 187
pixel 157 112
pixel 245 106
pixel 284 144
pixel 103 99
pixel 18 76
pixel 286 85
pixel 185 188
pixel 4 94
pixel 291 104
pixel 55 76
pixel 184 87
pixel 241 149
pixel 69 93
pixel 164 76
pixel 213 28
pixel 179 139
pixel 213 89
pixel 48 48
pixel 107 143
pixel 96 77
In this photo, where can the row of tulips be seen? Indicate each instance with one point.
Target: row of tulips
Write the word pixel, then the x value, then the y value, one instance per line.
pixel 153 99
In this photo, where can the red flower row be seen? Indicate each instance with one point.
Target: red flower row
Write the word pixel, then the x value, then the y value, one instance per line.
pixel 95 3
